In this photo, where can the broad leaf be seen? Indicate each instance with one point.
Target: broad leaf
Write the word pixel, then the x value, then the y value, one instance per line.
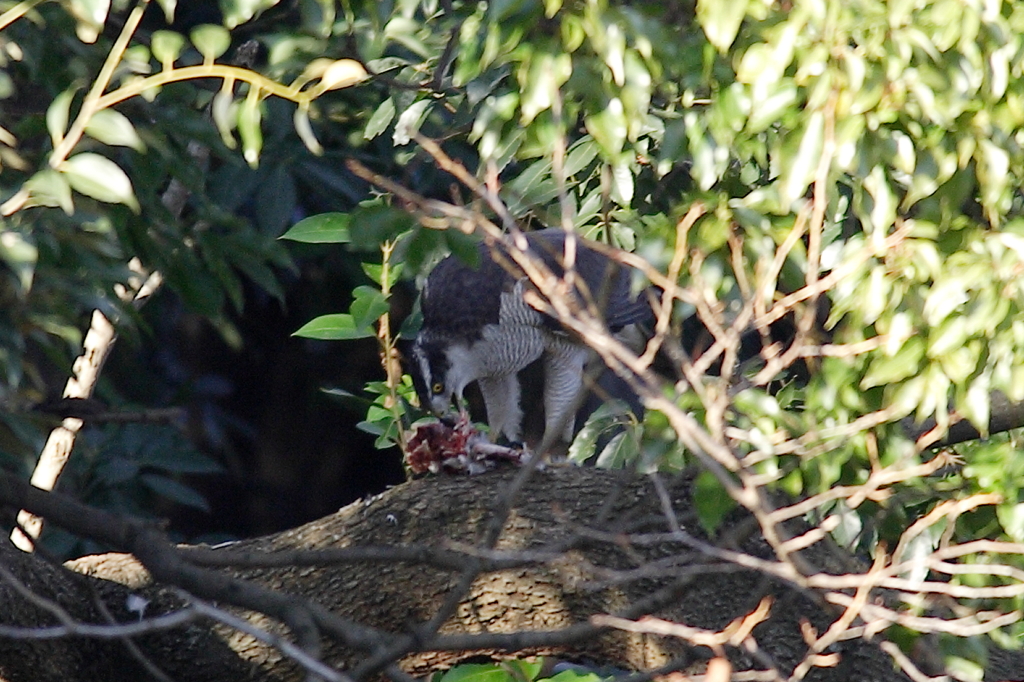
pixel 721 20
pixel 711 500
pixel 172 490
pixel 100 178
pixel 58 114
pixel 478 672
pixel 368 306
pixel 240 11
pixel 166 47
pixel 91 15
pixel 211 40
pixel 113 128
pixel 381 119
pixel 325 228
pixel 342 73
pixel 334 327
pixel 250 115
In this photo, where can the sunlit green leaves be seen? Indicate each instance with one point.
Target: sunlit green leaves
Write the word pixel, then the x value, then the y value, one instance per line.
pixel 510 671
pixel 58 114
pixel 113 128
pixel 994 179
pixel 304 129
pixel 211 40
pixel 168 6
pixel 91 15
pixel 540 77
pixel 711 500
pixel 799 159
pixel 721 20
pixel 250 115
pixel 608 127
pixel 49 188
pixel 409 121
pixel 100 178
pixel 240 11
pixel 166 47
pixel 342 73
pixel 380 119
pixel 19 253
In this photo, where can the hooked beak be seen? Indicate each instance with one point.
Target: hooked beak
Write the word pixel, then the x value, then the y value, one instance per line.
pixel 440 406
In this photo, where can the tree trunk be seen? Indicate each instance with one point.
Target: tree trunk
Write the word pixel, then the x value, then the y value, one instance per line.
pixel 567 517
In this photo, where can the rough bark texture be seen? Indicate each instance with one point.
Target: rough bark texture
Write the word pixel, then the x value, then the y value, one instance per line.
pixel 390 595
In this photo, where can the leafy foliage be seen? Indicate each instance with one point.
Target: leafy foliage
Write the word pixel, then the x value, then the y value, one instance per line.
pixel 859 159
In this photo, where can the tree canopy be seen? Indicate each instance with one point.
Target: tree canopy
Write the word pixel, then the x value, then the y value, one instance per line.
pixel 825 195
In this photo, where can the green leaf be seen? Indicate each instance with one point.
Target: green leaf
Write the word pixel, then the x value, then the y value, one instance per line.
pixel 237 12
pixel 375 271
pixel 539 80
pixel 91 15
pixel 172 490
pixel 575 676
pixel 166 46
pixel 994 179
pixel 168 6
pixel 342 73
pixel 113 128
pixel 409 122
pixel 799 165
pixel 1011 517
pixel 608 127
pixel 49 188
pixel 712 501
pixel 613 417
pixel 884 370
pixel 976 405
pixel 58 114
pixel 524 670
pixel 20 254
pixel 381 119
pixel 368 306
pixel 375 224
pixel 478 672
pixel 211 40
pixel 721 20
pixel 334 327
pixel 622 184
pixel 100 178
pixel 304 129
pixel 250 115
pixel 771 109
pixel 325 228
pixel 619 452
pixel 180 459
pixel 580 156
pixel 225 113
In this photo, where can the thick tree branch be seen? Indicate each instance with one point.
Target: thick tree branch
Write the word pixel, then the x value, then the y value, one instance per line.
pixel 541 602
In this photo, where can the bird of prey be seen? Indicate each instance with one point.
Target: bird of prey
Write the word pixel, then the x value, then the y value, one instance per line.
pixel 477 326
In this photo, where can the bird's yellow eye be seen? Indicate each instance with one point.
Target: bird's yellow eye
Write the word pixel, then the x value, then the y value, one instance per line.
pixel 437 387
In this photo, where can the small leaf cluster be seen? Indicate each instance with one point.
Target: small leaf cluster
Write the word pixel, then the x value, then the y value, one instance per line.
pixel 514 671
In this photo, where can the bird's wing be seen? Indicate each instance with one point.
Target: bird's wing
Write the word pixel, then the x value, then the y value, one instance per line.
pixel 459 300
pixel 607 282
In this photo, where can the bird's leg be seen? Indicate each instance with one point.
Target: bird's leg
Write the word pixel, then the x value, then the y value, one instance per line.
pixel 563 379
pixel 501 396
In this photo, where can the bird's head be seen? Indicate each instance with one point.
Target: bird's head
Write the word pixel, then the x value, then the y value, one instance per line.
pixel 441 368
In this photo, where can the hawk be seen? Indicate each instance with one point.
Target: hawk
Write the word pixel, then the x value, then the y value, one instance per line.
pixel 477 326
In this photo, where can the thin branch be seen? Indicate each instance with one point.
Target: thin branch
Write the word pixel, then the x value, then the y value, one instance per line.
pixel 286 647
